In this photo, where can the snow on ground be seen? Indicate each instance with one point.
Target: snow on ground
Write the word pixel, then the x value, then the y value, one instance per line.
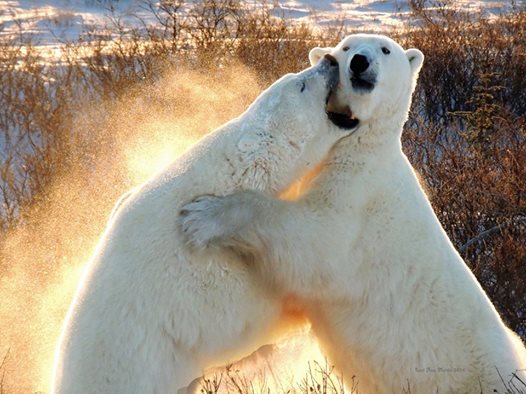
pixel 50 22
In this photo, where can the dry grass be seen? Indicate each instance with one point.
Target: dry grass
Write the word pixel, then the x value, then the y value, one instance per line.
pixel 319 379
pixel 67 129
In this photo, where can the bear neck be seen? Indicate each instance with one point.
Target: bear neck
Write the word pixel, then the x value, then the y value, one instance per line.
pixel 374 138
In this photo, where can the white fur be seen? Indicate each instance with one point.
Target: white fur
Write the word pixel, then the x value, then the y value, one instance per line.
pixel 388 295
pixel 149 315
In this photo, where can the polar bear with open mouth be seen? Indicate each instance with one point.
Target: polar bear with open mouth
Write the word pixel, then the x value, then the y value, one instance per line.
pixel 386 291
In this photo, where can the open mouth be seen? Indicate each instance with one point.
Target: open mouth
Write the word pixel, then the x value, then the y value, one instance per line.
pixel 343 120
pixel 362 84
pixel 343 117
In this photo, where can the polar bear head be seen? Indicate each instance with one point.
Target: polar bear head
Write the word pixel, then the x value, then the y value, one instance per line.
pixel 377 79
pixel 290 120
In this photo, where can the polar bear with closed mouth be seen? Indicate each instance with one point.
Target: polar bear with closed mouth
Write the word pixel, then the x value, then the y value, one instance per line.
pixel 149 315
pixel 387 293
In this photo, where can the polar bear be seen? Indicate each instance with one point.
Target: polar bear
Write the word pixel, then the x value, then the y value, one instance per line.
pixel 388 295
pixel 149 315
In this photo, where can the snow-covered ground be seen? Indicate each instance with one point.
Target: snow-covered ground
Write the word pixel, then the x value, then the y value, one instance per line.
pixel 50 22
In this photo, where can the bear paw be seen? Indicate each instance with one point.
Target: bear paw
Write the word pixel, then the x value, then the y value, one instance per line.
pixel 201 221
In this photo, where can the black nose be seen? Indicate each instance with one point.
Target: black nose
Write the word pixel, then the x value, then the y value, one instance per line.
pixel 331 59
pixel 359 64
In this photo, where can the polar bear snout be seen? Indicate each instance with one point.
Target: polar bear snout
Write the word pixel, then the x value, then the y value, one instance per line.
pixel 359 64
pixel 334 72
pixel 329 67
pixel 363 77
pixel 362 70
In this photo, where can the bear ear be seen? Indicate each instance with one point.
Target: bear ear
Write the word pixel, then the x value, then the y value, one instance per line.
pixel 316 54
pixel 416 59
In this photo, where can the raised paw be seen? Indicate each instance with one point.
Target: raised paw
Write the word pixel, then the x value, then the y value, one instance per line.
pixel 202 221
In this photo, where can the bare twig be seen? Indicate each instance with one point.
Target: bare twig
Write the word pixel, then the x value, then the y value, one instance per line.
pixel 490 231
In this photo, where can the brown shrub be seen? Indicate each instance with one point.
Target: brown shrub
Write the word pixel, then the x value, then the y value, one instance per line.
pixel 467 138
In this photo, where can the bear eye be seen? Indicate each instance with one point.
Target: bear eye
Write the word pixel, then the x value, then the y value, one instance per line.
pixel 346 48
pixel 302 87
pixel 385 51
